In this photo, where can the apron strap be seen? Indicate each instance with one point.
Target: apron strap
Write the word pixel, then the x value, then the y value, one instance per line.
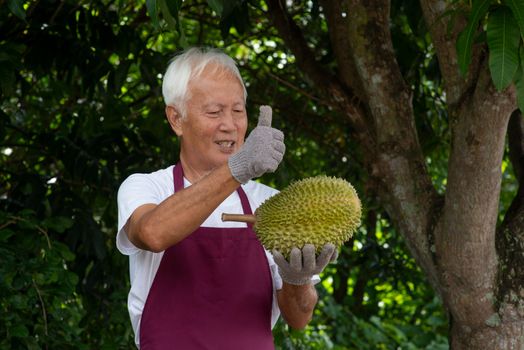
pixel 243 199
pixel 178 179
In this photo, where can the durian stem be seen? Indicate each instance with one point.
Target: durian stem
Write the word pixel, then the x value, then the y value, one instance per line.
pixel 239 218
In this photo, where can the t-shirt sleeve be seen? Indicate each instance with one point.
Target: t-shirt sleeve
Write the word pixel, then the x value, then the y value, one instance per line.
pixel 136 190
pixel 277 285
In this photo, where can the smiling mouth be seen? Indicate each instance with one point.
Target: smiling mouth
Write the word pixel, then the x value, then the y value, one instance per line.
pixel 226 145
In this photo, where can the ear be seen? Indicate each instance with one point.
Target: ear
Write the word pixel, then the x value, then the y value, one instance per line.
pixel 175 119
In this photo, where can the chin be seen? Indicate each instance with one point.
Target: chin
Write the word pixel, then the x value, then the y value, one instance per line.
pixel 223 160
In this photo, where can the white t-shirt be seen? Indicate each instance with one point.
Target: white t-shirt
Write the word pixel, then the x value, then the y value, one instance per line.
pixel 153 188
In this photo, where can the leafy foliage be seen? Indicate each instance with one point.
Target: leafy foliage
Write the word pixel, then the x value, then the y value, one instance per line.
pixel 466 39
pixel 38 297
pixel 504 23
pixel 70 116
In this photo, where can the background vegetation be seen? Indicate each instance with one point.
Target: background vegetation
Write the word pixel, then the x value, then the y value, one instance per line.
pixel 81 109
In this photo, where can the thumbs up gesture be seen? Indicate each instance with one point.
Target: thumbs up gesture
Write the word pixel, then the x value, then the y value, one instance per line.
pixel 261 153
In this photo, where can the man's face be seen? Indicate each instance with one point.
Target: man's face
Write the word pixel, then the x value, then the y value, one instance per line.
pixel 216 120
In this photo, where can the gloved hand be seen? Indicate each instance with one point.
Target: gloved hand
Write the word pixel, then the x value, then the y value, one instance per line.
pixel 261 153
pixel 303 264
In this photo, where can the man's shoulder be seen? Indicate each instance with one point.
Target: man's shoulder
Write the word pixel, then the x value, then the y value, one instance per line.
pixel 154 175
pixel 161 177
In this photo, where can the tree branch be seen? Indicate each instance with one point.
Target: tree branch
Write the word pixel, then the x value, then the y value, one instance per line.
pixel 44 312
pixel 341 97
pixel 293 37
pixel 510 250
pixel 404 185
pixel 439 15
pixel 337 18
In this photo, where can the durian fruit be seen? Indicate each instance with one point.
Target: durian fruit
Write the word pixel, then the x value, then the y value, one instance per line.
pixel 315 210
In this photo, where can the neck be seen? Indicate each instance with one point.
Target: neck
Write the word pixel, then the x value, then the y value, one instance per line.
pixel 191 173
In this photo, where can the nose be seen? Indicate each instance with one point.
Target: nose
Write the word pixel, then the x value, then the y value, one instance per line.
pixel 227 122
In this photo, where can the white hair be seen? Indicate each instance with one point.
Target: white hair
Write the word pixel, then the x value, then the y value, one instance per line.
pixel 189 65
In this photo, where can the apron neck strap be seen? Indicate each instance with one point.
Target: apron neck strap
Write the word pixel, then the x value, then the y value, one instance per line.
pixel 178 179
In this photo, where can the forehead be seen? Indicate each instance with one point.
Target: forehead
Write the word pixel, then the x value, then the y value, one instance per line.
pixel 215 79
pixel 212 69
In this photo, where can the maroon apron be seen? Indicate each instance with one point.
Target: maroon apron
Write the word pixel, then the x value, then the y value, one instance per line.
pixel 212 290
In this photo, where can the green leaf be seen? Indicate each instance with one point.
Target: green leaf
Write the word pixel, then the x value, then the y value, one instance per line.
pixel 173 6
pixel 171 21
pixel 237 17
pixel 224 8
pixel 5 234
pixel 17 8
pixel 64 251
pixel 217 6
pixel 7 78
pixel 170 10
pixel 121 75
pixel 517 8
pixel 19 331
pixel 58 224
pixel 152 9
pixel 466 38
pixel 503 42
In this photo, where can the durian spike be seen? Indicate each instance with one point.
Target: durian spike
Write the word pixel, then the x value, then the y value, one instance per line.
pixel 239 218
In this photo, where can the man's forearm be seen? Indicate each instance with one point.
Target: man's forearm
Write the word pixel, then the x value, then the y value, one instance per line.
pixel 157 227
pixel 297 304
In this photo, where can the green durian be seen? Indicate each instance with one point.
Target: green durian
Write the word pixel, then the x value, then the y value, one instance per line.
pixel 315 210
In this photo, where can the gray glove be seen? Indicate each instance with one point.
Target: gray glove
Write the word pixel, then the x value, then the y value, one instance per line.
pixel 303 264
pixel 262 151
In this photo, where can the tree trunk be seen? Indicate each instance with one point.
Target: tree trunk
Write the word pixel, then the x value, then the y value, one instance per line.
pixel 465 236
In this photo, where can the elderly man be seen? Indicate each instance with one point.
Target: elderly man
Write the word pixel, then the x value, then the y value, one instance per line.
pixel 198 282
